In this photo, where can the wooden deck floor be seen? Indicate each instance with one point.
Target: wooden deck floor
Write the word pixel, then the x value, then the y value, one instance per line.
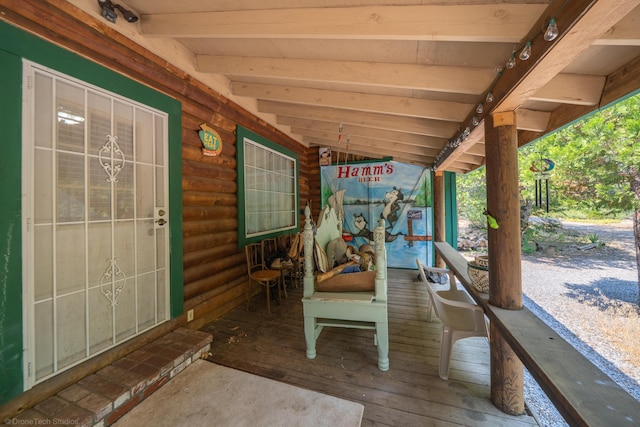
pixel 409 394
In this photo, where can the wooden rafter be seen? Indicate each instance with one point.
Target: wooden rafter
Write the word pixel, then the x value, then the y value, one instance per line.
pixel 474 23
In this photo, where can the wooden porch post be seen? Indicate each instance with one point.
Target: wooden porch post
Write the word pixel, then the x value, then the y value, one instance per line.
pixel 439 230
pixel 505 268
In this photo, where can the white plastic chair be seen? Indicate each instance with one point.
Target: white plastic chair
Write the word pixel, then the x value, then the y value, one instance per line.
pixel 459 315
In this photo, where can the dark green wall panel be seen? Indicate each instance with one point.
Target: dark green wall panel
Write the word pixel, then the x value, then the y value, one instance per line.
pixel 10 228
pixel 15 45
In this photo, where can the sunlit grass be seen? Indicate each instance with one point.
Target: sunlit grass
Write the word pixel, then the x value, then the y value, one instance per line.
pixel 623 333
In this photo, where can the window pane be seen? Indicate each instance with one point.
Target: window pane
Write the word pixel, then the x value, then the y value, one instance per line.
pixel 161 289
pixel 70 187
pixel 100 252
pixel 146 297
pixel 70 117
pixel 145 194
pixel 70 258
pixel 43 251
pixel 123 124
pixel 146 245
pixel 43 207
pixel 160 196
pixel 160 135
pixel 269 188
pixel 99 191
pixel 71 321
pixel 99 125
pixel 100 322
pixel 43 328
pixel 144 134
pixel 125 310
pixel 123 193
pixel 43 110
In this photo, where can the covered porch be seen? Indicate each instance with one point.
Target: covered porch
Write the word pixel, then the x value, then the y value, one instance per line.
pixel 409 394
pixel 210 265
pixel 272 346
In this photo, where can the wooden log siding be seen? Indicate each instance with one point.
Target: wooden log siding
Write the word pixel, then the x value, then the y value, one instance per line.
pixel 215 270
pixel 209 212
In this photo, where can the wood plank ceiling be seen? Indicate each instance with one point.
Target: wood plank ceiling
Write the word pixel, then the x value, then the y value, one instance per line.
pixel 405 78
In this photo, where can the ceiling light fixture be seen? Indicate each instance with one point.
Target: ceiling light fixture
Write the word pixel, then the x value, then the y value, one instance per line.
pixel 552 30
pixel 512 61
pixel 489 97
pixel 109 11
pixel 526 52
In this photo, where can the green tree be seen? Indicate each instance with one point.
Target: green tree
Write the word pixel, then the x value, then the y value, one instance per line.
pixel 597 165
pixel 597 169
pixel 472 197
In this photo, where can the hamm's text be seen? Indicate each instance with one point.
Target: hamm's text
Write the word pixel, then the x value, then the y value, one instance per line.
pixel 365 173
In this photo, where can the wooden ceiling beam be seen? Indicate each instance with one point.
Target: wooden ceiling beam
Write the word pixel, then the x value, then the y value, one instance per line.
pixel 403 106
pixel 471 159
pixel 474 138
pixel 409 148
pixel 419 126
pixel 464 163
pixel 401 157
pixel 355 151
pixel 571 89
pixel 367 148
pixel 372 143
pixel 619 84
pixel 302 125
pixel 532 120
pixel 625 33
pixel 477 148
pixel 461 80
pixel 471 23
pixel 622 82
pixel 525 137
pixel 581 23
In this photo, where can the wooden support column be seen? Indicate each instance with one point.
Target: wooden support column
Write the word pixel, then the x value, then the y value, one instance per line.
pixel 439 230
pixel 505 264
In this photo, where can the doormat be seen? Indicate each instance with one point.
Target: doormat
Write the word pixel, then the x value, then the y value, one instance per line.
pixel 207 394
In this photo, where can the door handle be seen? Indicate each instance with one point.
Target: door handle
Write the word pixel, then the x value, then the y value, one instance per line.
pixel 161 221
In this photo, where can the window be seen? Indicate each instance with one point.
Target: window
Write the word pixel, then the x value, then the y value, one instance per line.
pixel 267 188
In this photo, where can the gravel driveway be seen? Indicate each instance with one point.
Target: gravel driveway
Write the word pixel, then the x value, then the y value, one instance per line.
pixel 590 298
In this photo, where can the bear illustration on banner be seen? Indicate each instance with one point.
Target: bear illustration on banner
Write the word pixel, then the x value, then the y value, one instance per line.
pixel 364 193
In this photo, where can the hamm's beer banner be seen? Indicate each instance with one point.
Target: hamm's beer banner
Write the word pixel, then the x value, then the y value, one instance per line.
pixel 398 193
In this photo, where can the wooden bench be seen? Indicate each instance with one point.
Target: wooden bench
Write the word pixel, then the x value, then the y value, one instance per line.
pixel 581 392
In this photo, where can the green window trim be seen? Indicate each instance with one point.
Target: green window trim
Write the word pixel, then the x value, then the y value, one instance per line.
pixel 246 138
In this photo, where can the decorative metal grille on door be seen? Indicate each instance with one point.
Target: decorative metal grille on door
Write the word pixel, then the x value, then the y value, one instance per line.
pixel 96 254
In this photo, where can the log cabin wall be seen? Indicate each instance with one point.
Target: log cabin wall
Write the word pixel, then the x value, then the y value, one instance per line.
pixel 214 267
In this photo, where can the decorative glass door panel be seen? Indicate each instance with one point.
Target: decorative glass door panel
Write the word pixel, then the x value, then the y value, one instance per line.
pixel 95 251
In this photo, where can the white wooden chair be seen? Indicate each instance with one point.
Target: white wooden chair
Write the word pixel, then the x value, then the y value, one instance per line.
pixel 350 309
pixel 458 313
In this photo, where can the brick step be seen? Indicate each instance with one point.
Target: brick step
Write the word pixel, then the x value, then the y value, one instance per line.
pixel 101 398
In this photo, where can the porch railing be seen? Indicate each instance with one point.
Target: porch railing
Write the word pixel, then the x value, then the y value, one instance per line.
pixel 581 392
